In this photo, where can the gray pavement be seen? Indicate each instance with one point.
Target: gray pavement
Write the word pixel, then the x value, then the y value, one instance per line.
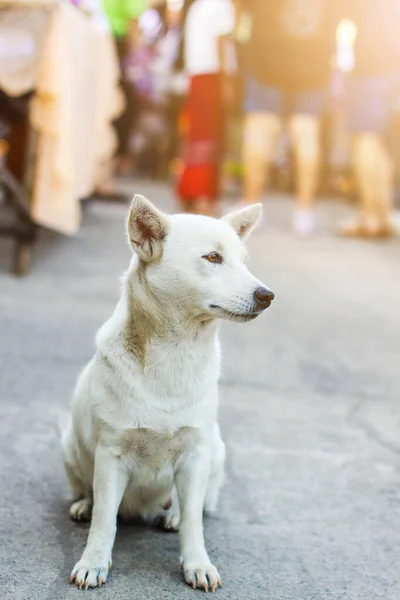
pixel 310 411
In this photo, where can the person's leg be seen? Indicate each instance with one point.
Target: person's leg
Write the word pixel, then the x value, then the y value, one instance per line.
pixel 125 122
pixel 305 133
pixel 260 135
pixel 373 171
pixel 385 188
pixel 368 108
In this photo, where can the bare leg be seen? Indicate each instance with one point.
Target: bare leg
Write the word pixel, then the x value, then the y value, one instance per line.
pixel 305 131
pixel 109 483
pixel 385 189
pixel 261 131
pixel 191 482
pixel 374 174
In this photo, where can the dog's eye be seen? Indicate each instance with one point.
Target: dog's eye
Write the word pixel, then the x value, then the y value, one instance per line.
pixel 214 257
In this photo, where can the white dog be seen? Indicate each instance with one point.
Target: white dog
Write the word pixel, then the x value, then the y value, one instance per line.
pixel 144 438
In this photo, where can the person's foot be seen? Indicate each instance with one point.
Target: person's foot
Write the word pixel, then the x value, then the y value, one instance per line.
pixel 365 229
pixel 303 222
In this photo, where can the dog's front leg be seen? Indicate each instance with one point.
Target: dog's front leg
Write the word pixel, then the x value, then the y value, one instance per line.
pixel 191 483
pixel 109 483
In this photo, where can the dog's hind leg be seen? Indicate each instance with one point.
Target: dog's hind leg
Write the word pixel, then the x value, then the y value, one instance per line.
pixel 74 481
pixel 81 508
pixel 170 517
pixel 69 455
pixel 216 472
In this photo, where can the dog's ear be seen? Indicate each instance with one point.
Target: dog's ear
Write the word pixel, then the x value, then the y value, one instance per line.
pixel 147 228
pixel 244 220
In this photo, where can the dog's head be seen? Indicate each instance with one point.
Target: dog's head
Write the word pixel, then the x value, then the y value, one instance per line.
pixel 197 263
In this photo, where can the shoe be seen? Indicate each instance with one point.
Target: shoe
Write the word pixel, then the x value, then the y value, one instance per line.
pixel 304 222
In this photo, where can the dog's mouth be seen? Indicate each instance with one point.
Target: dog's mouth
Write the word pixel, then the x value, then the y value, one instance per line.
pixel 233 316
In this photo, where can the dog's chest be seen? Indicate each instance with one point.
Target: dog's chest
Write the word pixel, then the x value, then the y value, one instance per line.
pixel 182 368
pixel 146 447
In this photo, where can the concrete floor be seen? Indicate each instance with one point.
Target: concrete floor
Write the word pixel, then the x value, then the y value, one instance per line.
pixel 310 411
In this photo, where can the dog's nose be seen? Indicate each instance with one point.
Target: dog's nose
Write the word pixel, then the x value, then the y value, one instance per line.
pixel 263 297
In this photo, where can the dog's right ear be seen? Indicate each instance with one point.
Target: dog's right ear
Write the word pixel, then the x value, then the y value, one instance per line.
pixel 147 229
pixel 244 220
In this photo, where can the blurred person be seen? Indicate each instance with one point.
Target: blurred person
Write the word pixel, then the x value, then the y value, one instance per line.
pixel 206 24
pixel 120 14
pixel 171 86
pixel 150 68
pixel 137 64
pixel 123 17
pixel 374 91
pixel 288 45
pixel 148 136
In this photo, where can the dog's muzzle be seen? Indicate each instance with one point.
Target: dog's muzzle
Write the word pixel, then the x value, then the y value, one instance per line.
pixel 262 298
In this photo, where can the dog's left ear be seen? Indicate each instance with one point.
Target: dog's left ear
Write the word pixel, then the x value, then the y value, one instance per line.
pixel 244 220
pixel 147 228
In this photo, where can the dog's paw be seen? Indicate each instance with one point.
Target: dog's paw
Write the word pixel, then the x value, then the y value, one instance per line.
pixel 203 576
pixel 89 573
pixel 81 510
pixel 168 522
pixel 169 519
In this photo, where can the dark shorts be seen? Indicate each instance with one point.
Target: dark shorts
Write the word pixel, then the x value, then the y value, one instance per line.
pixel 370 102
pixel 263 98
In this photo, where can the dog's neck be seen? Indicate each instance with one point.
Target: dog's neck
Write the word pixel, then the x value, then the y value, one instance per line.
pixel 151 321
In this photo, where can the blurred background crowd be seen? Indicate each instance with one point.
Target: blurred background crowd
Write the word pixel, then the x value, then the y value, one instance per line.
pixel 218 97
